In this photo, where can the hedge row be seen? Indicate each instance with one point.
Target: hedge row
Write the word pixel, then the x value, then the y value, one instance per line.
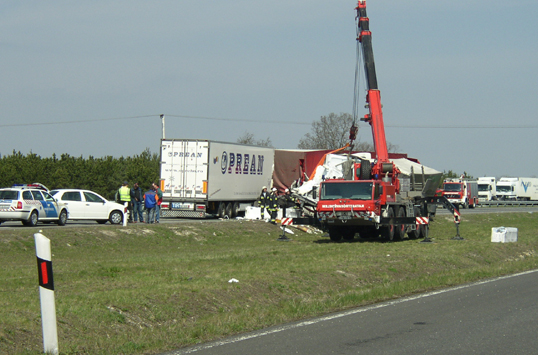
pixel 102 175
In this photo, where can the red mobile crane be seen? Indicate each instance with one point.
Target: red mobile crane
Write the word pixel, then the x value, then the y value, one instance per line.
pixel 372 203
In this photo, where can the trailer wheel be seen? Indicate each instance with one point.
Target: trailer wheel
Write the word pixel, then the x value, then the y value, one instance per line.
pixel 220 211
pixel 387 232
pixel 399 229
pixel 235 209
pixel 335 234
pixel 228 211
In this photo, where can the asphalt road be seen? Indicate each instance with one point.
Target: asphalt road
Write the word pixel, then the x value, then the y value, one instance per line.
pixel 79 223
pixel 496 316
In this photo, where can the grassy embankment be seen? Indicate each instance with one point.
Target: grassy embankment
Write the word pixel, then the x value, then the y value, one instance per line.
pixel 140 289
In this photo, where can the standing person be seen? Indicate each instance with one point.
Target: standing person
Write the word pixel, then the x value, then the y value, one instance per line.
pixel 124 195
pixel 137 200
pixel 150 201
pixel 285 201
pixel 273 204
pixel 159 193
pixel 263 200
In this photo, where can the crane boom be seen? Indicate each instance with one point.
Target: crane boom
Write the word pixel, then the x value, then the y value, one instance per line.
pixel 373 201
pixel 375 116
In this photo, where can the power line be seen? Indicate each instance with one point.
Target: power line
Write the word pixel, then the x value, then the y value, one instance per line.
pixel 71 122
pixel 266 121
pixel 241 120
pixel 462 127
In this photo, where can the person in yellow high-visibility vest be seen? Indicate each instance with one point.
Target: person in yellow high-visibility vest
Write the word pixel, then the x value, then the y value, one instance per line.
pixel 124 195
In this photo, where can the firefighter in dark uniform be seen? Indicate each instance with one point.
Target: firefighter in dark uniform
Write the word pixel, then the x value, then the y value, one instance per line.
pixel 263 200
pixel 285 201
pixel 273 205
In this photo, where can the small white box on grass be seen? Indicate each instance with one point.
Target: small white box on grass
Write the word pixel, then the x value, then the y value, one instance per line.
pixel 252 212
pixel 503 234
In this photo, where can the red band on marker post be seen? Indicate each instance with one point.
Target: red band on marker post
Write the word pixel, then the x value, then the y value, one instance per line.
pixel 44 268
pixel 44 274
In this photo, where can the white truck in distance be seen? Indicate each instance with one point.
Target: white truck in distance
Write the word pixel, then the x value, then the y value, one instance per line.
pixel 201 178
pixel 517 189
pixel 487 190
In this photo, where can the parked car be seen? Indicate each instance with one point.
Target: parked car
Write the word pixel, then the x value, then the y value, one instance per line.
pixel 30 204
pixel 89 205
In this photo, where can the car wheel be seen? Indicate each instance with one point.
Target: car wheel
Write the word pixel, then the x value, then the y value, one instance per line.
pixel 62 219
pixel 32 221
pixel 116 217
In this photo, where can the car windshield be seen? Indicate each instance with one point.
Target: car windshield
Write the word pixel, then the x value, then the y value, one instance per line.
pixel 9 195
pixel 452 187
pixel 483 187
pixel 356 190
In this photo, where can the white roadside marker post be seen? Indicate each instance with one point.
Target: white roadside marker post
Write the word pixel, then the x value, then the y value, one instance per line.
pixel 46 294
pixel 125 213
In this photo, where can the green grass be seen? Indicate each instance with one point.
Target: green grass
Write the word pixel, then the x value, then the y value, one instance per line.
pixel 142 290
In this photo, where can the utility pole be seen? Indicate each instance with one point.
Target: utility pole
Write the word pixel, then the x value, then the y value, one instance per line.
pixel 162 121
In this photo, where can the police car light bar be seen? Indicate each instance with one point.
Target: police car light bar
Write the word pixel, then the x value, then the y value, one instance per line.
pixel 35 185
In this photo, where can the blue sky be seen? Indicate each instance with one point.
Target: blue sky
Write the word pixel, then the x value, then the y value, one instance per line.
pixel 450 75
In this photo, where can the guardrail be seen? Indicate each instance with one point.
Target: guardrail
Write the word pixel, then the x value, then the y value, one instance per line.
pixel 507 203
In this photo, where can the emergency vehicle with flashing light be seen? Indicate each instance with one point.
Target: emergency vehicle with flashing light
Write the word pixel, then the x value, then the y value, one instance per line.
pixel 30 204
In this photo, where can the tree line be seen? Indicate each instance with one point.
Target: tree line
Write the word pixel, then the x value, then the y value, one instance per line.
pixel 102 175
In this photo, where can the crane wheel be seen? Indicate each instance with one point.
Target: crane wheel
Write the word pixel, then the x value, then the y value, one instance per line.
pixel 399 229
pixel 387 232
pixel 335 234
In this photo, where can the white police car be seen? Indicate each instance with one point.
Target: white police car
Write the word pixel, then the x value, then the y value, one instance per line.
pixel 30 204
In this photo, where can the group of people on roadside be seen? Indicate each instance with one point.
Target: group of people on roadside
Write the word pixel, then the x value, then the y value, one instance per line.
pixel 138 201
pixel 270 201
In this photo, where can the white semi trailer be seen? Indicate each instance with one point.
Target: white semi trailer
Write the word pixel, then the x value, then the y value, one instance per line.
pixel 517 188
pixel 202 178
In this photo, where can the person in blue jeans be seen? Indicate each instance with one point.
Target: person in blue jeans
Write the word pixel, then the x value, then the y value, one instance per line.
pixel 150 202
pixel 159 193
pixel 137 201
